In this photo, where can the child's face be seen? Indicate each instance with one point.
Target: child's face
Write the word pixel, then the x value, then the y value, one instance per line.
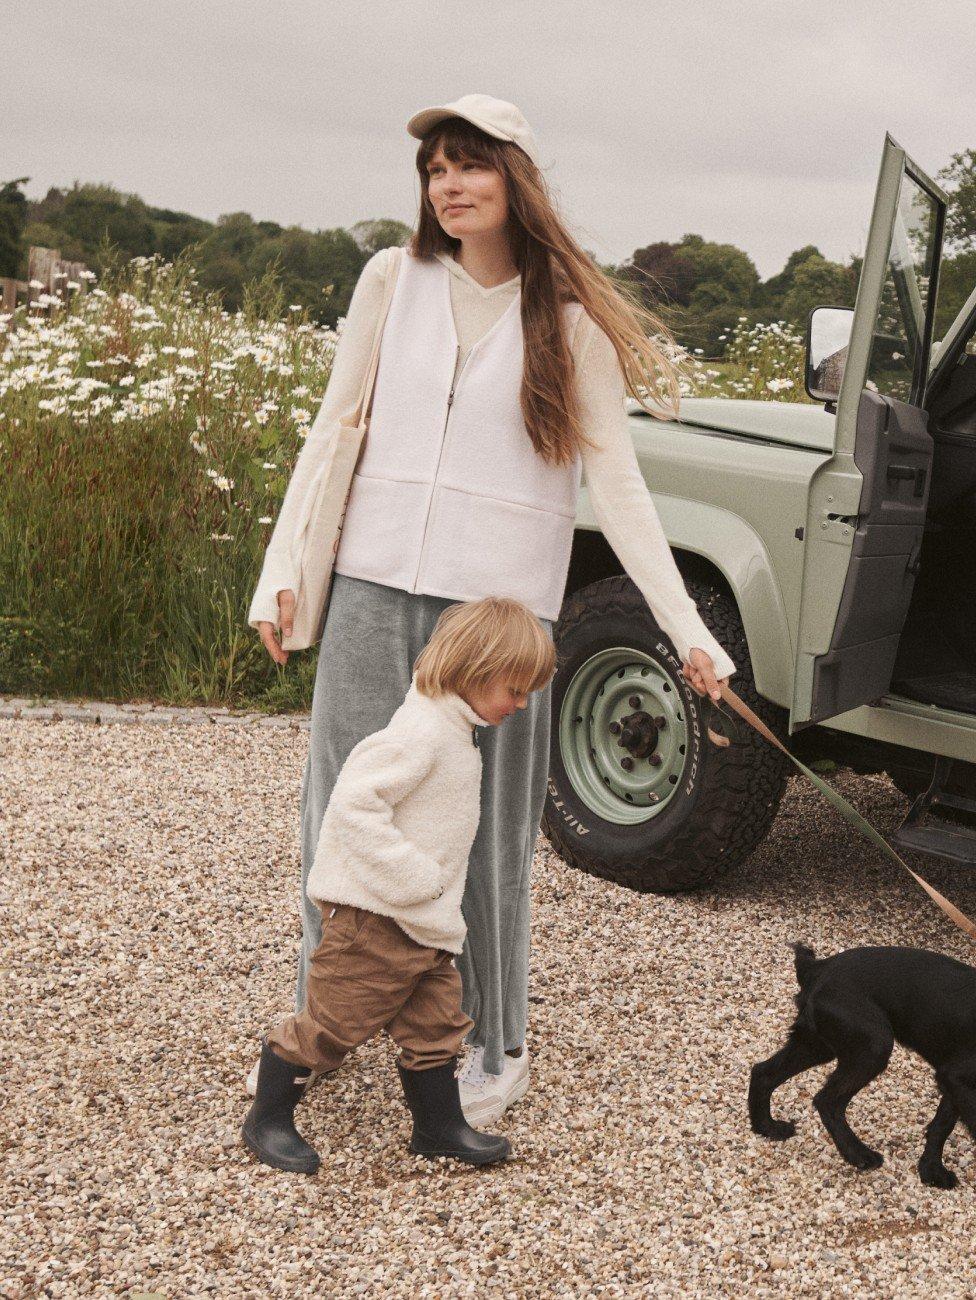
pixel 496 700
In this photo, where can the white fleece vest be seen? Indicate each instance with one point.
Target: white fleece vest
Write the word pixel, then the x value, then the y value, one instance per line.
pixel 450 498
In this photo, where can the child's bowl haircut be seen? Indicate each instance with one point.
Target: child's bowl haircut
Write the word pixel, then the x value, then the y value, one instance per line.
pixel 481 641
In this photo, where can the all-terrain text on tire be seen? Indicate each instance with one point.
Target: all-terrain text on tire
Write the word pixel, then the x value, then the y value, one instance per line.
pixel 638 794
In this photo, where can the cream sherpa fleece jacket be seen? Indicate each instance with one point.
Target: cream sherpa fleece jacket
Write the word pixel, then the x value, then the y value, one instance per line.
pixel 398 829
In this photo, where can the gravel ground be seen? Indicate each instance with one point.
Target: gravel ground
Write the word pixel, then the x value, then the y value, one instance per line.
pixel 150 931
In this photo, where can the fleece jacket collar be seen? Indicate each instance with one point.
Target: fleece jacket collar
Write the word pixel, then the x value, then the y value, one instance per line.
pixel 450 706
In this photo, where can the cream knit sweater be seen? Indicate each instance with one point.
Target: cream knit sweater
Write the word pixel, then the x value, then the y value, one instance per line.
pixel 621 503
pixel 403 814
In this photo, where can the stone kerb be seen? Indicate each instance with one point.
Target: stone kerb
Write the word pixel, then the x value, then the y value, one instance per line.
pixel 96 711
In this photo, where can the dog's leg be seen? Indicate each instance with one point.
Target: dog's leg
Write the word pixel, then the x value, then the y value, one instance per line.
pixel 802 1051
pixel 957 1083
pixel 858 1062
pixel 931 1169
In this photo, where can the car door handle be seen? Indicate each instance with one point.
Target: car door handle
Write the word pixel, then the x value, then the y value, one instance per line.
pixel 906 472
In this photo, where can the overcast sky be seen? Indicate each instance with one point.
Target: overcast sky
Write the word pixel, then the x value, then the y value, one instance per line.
pixel 756 123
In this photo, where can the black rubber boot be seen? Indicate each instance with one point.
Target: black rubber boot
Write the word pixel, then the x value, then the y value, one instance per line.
pixel 269 1128
pixel 439 1126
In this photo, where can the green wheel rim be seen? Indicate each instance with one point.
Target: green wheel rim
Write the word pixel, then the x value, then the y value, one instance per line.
pixel 624 689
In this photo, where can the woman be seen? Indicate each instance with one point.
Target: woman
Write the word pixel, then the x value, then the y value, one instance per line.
pixel 507 355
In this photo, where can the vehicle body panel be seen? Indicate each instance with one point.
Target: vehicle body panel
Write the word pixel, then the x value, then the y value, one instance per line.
pixel 914 725
pixel 741 517
pixel 793 423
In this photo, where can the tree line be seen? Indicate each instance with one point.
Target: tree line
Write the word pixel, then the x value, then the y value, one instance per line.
pixel 700 287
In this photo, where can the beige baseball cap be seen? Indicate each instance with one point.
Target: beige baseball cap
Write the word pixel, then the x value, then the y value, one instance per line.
pixel 495 116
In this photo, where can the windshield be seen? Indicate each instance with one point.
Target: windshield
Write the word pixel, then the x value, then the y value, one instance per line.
pixel 898 342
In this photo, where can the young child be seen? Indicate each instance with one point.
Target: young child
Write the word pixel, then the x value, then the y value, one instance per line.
pixel 388 874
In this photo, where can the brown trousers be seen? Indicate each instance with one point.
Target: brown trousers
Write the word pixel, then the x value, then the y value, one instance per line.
pixel 368 975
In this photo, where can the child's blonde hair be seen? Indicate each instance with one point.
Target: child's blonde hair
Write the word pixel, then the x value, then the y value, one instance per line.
pixel 480 641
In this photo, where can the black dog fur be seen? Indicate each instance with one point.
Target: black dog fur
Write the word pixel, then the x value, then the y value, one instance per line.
pixel 853 1008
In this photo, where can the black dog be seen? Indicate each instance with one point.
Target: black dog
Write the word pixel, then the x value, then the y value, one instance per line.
pixel 852 1008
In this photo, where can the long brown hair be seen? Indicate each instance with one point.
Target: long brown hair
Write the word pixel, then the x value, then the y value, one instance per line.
pixel 554 270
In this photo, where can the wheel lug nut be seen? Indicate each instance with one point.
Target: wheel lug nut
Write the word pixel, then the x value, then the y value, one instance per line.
pixel 655 760
pixel 634 701
pixel 614 728
pixel 660 722
pixel 627 764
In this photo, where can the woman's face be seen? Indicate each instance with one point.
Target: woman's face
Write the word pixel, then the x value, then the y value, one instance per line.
pixel 468 197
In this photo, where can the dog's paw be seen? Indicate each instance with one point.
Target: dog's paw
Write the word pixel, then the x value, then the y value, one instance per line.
pixel 936 1175
pixel 777 1130
pixel 867 1159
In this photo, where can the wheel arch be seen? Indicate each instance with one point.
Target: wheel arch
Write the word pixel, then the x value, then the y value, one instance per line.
pixel 711 545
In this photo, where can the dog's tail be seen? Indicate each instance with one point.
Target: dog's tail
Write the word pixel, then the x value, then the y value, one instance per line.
pixel 804 959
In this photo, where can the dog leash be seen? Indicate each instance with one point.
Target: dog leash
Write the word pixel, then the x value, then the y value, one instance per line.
pixel 843 807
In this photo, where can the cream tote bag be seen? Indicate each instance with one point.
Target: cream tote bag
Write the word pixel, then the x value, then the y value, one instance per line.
pixel 328 495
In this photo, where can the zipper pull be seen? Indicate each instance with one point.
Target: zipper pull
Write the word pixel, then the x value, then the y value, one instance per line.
pixel 457 358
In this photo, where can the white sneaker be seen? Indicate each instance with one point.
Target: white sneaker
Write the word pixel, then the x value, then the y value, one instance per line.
pixel 485 1097
pixel 251 1083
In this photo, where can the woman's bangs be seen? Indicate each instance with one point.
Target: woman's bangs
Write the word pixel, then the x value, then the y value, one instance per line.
pixel 461 142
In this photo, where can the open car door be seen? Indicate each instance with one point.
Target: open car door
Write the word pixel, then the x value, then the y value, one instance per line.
pixel 866 505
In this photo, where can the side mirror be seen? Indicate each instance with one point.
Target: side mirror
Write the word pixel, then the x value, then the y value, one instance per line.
pixel 828 334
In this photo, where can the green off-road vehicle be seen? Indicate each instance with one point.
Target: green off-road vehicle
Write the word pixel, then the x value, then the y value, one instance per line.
pixel 832 551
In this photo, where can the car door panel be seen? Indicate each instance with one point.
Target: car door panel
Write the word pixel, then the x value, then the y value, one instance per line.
pixel 871 495
pixel 893 451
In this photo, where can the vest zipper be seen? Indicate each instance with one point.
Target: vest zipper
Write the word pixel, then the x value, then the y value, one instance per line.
pixel 440 453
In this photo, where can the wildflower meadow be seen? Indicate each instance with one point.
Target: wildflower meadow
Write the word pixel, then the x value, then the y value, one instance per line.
pixel 146 438
pixel 762 362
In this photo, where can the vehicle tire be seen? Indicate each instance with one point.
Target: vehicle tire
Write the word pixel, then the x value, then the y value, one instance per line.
pixel 665 826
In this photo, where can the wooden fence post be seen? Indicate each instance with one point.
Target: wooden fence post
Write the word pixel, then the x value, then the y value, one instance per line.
pixel 46 268
pixel 74 272
pixel 40 267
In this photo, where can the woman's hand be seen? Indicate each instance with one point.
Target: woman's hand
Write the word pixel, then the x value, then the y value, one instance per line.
pixel 700 672
pixel 286 616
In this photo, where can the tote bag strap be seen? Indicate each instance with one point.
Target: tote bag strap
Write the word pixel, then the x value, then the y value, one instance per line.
pixel 363 406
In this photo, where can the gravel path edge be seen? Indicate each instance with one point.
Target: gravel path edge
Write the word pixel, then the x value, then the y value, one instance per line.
pixel 100 711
